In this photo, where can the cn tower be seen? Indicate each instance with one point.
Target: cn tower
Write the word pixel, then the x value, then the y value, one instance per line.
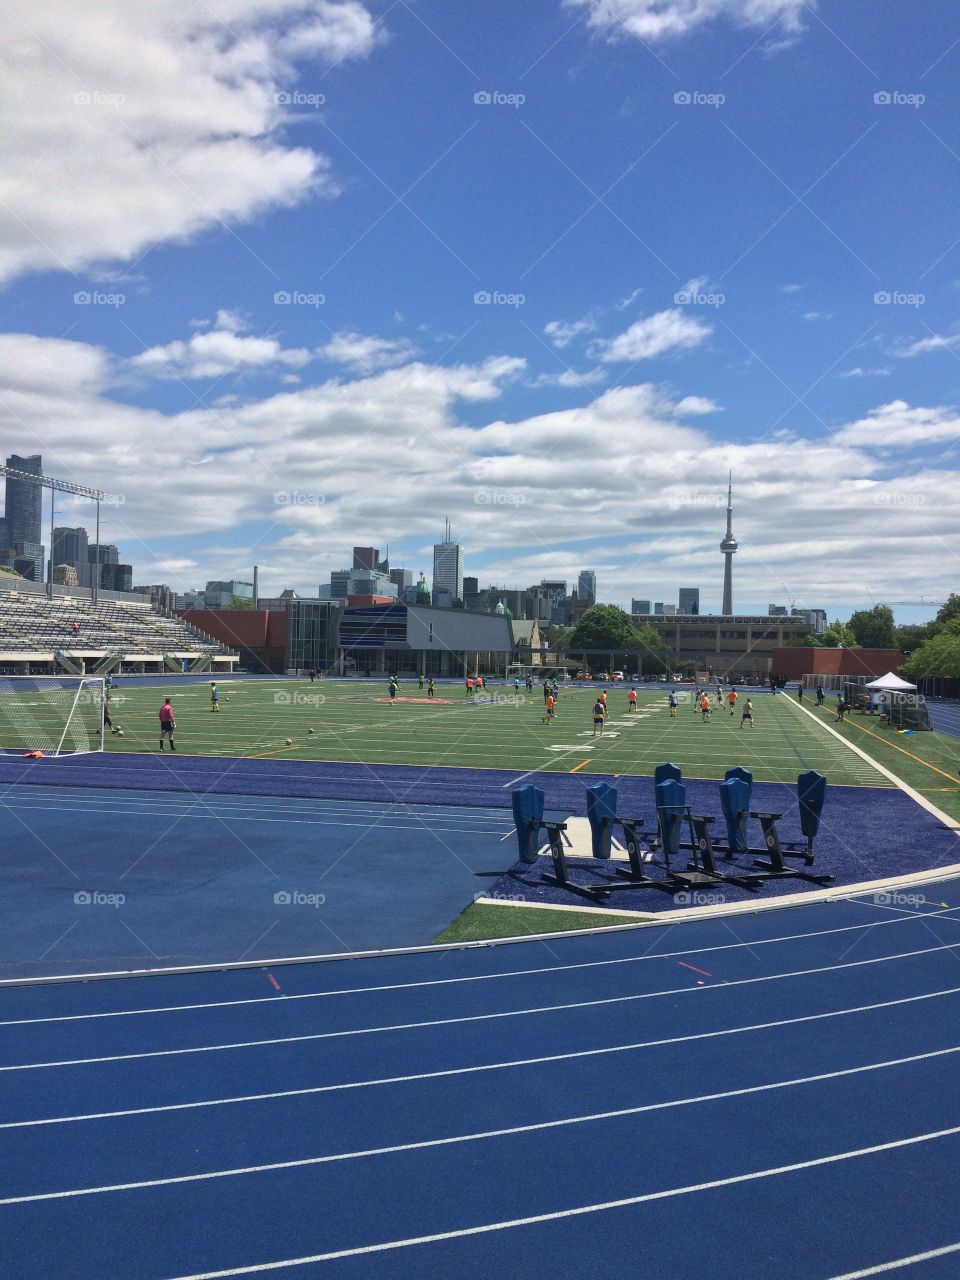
pixel 727 547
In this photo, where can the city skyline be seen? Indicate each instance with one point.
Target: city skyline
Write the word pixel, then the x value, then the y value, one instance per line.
pixel 367 563
pixel 365 306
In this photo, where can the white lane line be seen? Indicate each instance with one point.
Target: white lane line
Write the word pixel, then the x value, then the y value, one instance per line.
pixel 426 1144
pixel 267 804
pixel 477 1069
pixel 477 1017
pixel 401 822
pixel 479 977
pixel 579 1210
pixel 896 1264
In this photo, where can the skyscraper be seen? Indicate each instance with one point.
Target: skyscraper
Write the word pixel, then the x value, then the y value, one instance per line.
pixel 727 548
pixel 689 600
pixel 448 566
pixel 23 501
pixel 639 606
pixel 587 586
pixel 366 558
pixel 70 546
pixel 24 504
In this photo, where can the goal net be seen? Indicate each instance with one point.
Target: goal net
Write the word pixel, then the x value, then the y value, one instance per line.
pixel 58 715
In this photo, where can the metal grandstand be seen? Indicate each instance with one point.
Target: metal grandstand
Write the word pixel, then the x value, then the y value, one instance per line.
pixel 73 633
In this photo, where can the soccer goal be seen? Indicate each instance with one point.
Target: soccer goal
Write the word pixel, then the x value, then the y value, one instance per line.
pixel 58 715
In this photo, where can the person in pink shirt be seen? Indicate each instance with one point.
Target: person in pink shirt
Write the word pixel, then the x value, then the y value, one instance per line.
pixel 167 724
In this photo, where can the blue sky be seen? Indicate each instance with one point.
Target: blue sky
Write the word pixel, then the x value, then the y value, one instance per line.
pixel 285 275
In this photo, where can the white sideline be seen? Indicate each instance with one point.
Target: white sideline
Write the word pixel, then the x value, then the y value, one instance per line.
pixel 748 906
pixel 950 823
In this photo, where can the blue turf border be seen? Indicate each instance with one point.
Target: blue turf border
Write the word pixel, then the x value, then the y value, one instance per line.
pixel 867 833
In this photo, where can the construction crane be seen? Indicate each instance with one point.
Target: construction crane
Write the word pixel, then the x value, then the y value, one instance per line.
pixel 927 604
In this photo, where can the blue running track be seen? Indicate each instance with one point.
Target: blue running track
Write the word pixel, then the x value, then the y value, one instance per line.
pixel 945 717
pixel 775 1096
pixel 95 881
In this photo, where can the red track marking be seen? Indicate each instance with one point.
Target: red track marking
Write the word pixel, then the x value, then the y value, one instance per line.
pixel 273 982
pixel 695 969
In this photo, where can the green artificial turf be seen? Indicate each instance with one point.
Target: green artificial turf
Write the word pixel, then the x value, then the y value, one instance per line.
pixel 928 762
pixel 353 721
pixel 480 922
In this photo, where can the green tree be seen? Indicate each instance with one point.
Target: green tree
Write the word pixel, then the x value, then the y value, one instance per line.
pixel 874 628
pixel 909 638
pixel 553 635
pixel 238 602
pixel 604 626
pixel 610 630
pixel 950 610
pixel 838 633
pixel 938 656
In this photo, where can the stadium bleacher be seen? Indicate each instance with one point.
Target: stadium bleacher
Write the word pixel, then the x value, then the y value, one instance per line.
pixel 40 627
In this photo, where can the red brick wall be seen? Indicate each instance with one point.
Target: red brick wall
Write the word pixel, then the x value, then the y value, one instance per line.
pixel 261 630
pixel 796 663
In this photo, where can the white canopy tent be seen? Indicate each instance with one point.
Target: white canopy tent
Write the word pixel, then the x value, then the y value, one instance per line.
pixel 891 683
pixel 899 703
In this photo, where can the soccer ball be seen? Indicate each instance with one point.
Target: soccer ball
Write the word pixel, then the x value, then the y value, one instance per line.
pixel 309 731
pixel 119 733
pixel 289 742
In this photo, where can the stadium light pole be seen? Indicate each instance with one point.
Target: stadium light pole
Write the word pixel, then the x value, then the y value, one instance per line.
pixel 61 486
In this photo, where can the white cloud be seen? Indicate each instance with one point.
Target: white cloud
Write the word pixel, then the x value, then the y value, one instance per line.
pixel 864 373
pixel 694 286
pixel 631 483
pixel 691 406
pixel 363 353
pixel 629 300
pixel 817 315
pixel 922 345
pixel 231 321
pixel 899 425
pixel 652 336
pixel 159 120
pixel 217 352
pixel 792 288
pixel 29 364
pixel 664 19
pixel 561 332
pixel 570 378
